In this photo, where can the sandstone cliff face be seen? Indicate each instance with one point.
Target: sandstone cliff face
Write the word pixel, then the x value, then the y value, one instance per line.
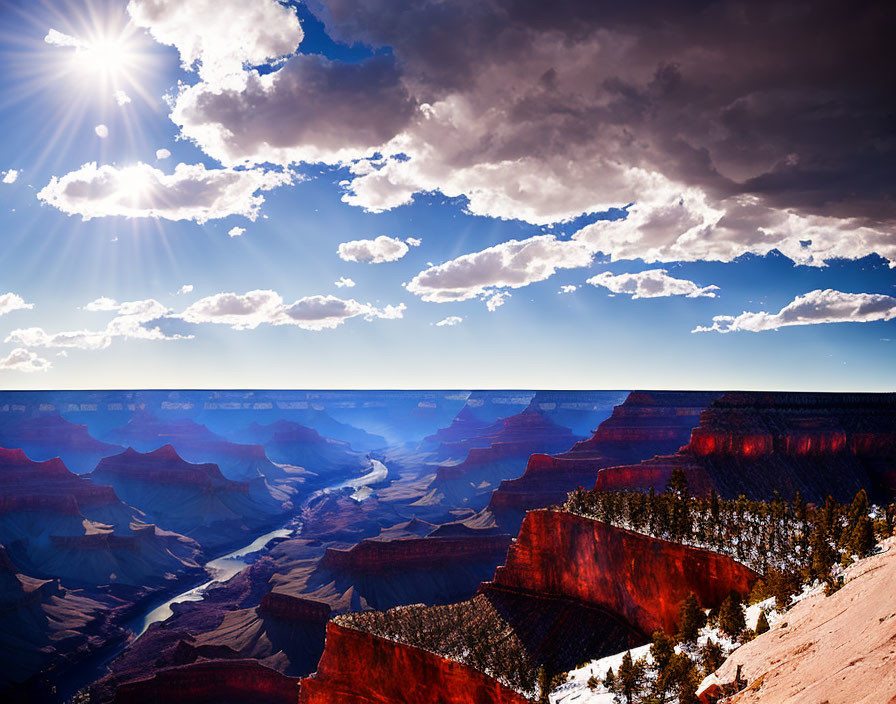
pixel 635 576
pixel 360 668
pixel 49 436
pixel 755 443
pixel 646 424
pixel 217 682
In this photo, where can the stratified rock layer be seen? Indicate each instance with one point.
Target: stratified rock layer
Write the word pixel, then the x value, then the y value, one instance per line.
pixel 360 668
pixel 642 579
pixel 646 424
pixel 755 443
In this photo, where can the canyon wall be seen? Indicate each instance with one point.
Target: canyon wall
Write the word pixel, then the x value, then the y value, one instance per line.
pixel 755 443
pixel 640 578
pixel 217 682
pixel 360 668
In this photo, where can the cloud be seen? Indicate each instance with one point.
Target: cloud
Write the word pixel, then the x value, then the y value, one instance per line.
pixel 249 310
pixel 413 241
pixel 57 38
pixel 450 321
pixel 122 98
pixel 217 37
pixel 236 231
pixel 10 176
pixel 496 300
pixel 162 154
pixel 192 192
pixel 344 282
pixel 568 288
pixel 542 114
pixel 22 360
pixel 186 288
pixel 12 301
pixel 139 320
pixel 512 264
pixel 382 249
pixel 101 131
pixel 653 283
pixel 813 308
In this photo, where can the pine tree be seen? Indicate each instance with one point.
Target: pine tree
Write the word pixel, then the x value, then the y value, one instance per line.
pixel 761 623
pixel 661 650
pixel 731 617
pixel 822 553
pixel 861 542
pixel 610 680
pixel 711 656
pixel 630 678
pixel 714 513
pixel 690 619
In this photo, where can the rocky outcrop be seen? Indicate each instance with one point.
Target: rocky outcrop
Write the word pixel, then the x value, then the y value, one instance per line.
pixel 465 426
pixel 837 649
pixel 642 579
pixel 57 524
pixel 511 441
pixel 646 424
pixel 196 443
pixel 396 556
pixel 755 443
pixel 293 608
pixel 217 682
pixel 192 499
pixel 49 436
pixel 360 668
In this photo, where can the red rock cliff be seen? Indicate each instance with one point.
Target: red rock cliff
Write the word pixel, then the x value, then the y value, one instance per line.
pixel 638 577
pixel 758 442
pixel 360 668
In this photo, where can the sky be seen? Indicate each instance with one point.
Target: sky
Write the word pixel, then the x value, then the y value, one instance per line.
pixel 475 194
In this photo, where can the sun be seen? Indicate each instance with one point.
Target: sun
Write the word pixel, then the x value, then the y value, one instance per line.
pixel 108 57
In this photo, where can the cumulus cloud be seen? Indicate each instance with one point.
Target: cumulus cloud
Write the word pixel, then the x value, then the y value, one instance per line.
pixel 22 360
pixel 57 38
pixel 10 176
pixel 249 310
pixel 186 288
pixel 162 153
pixel 12 301
pixel 568 288
pixel 101 131
pixel 344 282
pixel 813 308
pixel 218 37
pixel 653 283
pixel 382 249
pixel 121 97
pixel 450 321
pixel 236 231
pixel 192 192
pixel 541 114
pixel 496 300
pixel 139 320
pixel 413 241
pixel 512 264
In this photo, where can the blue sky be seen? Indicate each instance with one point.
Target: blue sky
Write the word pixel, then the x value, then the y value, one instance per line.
pixel 589 337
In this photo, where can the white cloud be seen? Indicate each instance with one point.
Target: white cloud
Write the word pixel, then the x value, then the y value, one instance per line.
pixel 186 288
pixel 413 241
pixel 512 264
pixel 382 249
pixel 192 192
pixel 12 301
pixel 248 311
pixel 22 360
pixel 101 131
pixel 496 300
pixel 344 282
pixel 57 38
pixel 122 98
pixel 653 283
pixel 568 288
pixel 450 321
pixel 134 320
pixel 162 153
pixel 10 176
pixel 236 231
pixel 813 308
pixel 217 37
